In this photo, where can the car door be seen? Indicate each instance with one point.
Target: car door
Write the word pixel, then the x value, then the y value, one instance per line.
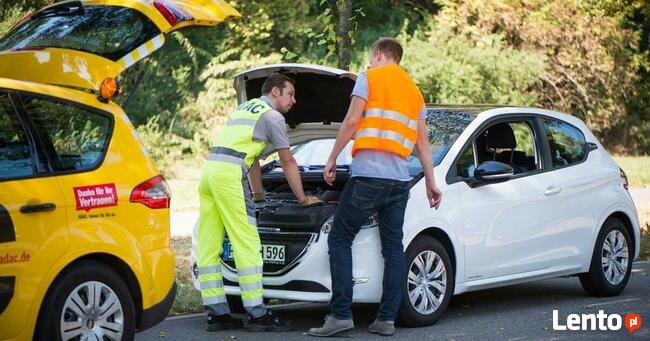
pixel 506 225
pixel 587 188
pixel 33 231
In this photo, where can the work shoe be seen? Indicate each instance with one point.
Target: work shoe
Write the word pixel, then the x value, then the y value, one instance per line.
pixel 269 323
pixel 332 327
pixel 384 328
pixel 227 321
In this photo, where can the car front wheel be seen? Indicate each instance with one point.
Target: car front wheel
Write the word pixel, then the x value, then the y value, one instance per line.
pixel 87 302
pixel 611 261
pixel 428 283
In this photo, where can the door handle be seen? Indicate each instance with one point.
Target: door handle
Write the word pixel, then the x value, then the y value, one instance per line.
pixel 38 208
pixel 552 190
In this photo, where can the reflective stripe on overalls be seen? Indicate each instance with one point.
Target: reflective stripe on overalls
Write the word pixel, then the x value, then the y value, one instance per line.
pixel 226 205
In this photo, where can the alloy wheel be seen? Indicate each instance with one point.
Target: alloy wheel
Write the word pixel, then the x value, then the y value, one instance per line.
pixel 427 282
pixel 615 257
pixel 92 311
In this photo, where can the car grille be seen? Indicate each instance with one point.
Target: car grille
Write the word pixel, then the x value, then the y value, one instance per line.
pixel 295 244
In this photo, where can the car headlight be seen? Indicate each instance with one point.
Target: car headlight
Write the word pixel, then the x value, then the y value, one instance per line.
pixel 371 223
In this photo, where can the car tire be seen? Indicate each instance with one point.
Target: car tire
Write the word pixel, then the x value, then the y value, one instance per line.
pixel 439 282
pixel 73 289
pixel 611 278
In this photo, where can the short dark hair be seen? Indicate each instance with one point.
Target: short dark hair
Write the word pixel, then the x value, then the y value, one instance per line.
pixel 276 80
pixel 389 47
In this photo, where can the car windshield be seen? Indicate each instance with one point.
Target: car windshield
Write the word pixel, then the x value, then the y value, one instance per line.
pixel 107 31
pixel 443 125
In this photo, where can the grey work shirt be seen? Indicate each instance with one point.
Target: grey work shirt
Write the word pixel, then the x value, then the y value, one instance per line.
pixel 271 128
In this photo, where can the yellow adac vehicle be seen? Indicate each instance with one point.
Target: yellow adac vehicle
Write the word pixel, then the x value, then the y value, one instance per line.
pixel 84 212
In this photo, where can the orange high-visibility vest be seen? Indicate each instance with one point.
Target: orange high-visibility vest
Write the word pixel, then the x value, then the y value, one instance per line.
pixel 390 118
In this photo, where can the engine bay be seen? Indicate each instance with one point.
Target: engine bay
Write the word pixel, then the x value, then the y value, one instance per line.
pixel 281 209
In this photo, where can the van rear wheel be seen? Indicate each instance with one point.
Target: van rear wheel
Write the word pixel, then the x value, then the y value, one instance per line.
pixel 90 301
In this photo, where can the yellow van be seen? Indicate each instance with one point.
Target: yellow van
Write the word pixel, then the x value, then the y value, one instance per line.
pixel 84 212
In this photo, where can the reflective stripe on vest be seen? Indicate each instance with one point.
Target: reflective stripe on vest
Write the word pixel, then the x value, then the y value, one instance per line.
pixel 390 119
pixel 228 155
pixel 234 143
pixel 393 115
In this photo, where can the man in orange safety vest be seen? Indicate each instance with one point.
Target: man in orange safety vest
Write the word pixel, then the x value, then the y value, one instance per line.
pixel 387 119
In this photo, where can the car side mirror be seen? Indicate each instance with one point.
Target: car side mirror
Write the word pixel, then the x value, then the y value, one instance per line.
pixel 493 172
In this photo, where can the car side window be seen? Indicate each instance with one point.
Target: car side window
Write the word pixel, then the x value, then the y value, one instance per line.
pixel 75 138
pixel 512 143
pixel 566 143
pixel 466 163
pixel 15 151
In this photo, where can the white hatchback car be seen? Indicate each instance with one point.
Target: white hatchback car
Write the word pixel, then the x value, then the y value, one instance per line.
pixel 529 194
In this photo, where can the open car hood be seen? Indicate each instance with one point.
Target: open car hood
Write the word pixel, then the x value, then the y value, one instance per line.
pixel 322 97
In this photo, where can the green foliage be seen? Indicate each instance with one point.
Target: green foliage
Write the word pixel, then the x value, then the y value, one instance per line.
pixel 588 58
pixel 187 130
pixel 594 61
pixel 453 69
pixel 10 16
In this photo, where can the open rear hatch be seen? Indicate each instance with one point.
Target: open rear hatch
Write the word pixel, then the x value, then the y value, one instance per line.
pixel 78 44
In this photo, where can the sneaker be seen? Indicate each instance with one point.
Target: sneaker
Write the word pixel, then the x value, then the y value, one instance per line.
pixel 269 323
pixel 227 321
pixel 332 327
pixel 383 328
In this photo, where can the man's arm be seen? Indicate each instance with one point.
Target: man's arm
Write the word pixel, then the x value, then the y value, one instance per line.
pixel 347 130
pixel 255 180
pixel 424 153
pixel 291 172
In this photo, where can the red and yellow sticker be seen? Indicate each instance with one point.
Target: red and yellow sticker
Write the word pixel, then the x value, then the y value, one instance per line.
pixel 95 196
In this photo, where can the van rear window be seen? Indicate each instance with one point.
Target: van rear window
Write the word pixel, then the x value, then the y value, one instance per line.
pixel 74 137
pixel 107 31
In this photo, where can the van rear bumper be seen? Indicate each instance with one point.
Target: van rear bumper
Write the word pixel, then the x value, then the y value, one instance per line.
pixel 150 317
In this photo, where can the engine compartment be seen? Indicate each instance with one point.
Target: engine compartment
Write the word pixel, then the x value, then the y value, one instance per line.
pixel 281 209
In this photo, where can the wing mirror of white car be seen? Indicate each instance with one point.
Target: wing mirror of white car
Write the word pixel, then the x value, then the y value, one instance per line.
pixel 492 172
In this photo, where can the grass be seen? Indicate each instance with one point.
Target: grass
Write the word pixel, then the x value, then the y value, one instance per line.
pixel 645 244
pixel 188 298
pixel 637 169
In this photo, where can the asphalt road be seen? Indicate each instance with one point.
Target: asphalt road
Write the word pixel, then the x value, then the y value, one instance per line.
pixel 519 312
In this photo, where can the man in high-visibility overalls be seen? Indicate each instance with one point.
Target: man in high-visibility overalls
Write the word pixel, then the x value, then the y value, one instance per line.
pixel 226 203
pixel 387 118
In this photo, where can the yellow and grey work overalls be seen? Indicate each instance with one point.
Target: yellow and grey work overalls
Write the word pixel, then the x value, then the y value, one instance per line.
pixel 226 204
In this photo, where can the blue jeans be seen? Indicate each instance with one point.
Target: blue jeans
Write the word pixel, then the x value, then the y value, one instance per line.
pixel 361 198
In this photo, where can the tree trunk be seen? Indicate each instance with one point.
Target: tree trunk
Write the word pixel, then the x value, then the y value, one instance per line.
pixel 345 13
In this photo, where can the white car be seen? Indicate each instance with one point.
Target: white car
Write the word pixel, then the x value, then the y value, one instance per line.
pixel 529 194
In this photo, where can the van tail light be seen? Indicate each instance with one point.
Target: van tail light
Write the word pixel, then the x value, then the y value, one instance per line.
pixel 173 14
pixel 153 193
pixel 624 177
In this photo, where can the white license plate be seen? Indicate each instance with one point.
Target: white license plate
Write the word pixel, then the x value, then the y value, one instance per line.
pixel 271 254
